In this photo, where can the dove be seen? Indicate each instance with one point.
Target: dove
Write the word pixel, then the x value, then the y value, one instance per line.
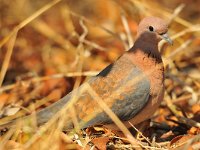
pixel 132 86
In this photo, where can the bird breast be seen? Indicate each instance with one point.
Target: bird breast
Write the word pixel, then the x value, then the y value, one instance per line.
pixel 154 70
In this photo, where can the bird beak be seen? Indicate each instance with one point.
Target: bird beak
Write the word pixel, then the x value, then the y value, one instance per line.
pixel 166 38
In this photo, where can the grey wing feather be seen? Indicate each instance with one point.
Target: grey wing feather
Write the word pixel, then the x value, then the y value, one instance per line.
pixel 127 104
pixel 132 101
pixel 47 113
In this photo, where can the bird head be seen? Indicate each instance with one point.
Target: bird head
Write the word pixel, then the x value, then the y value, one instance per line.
pixel 154 27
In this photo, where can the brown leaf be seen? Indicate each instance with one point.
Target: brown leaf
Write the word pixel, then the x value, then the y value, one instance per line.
pixel 12 145
pixel 55 94
pixel 9 111
pixel 168 134
pixel 53 83
pixel 194 131
pixel 195 108
pixel 98 130
pixel 3 99
pixel 180 141
pixel 100 143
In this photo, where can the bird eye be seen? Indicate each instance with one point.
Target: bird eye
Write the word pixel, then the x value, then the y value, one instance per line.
pixel 151 28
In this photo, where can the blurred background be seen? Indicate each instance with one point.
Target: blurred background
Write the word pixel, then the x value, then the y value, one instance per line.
pixel 52 38
pixel 46 45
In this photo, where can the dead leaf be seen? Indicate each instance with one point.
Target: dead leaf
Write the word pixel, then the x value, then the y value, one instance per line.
pixel 195 108
pixel 9 111
pixel 12 145
pixel 168 134
pixel 100 143
pixel 194 131
pixel 179 141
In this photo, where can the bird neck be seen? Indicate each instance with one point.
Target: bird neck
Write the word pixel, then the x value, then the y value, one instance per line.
pixel 148 44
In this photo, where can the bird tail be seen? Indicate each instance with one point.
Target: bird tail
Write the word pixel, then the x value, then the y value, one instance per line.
pixel 47 113
pixel 42 116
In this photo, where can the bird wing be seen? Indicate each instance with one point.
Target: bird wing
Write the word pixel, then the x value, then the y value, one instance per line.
pixel 122 86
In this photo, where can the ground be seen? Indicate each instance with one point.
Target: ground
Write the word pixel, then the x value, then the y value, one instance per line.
pixel 49 47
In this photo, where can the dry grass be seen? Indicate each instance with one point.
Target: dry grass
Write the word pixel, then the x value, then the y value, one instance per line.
pixel 49 47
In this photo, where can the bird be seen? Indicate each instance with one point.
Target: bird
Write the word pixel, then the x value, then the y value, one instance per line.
pixel 132 86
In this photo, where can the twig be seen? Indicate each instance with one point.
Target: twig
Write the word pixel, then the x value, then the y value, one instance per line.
pixel 93 23
pixel 181 119
pixel 6 138
pixel 95 45
pixel 55 76
pixel 176 12
pixel 127 29
pixel 62 113
pixel 183 98
pixel 193 28
pixel 28 20
pixel 140 133
pixel 188 121
pixel 112 115
pixel 160 10
pixel 7 57
pixel 179 49
pixel 44 29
